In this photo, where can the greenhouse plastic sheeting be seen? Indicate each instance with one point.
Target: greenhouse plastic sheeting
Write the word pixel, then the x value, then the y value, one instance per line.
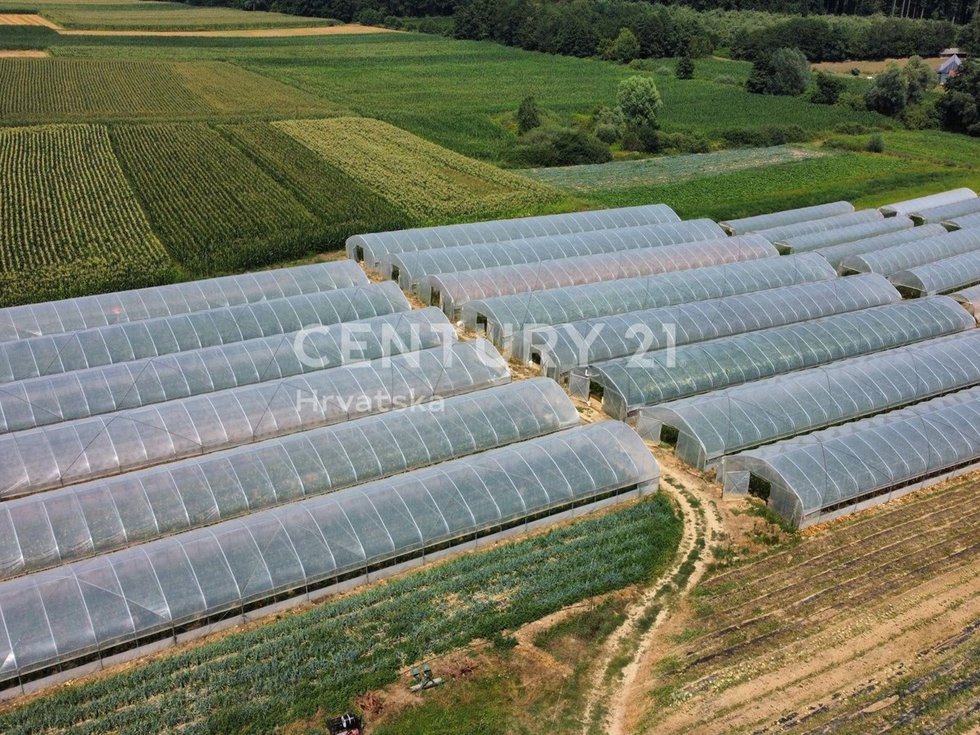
pixel 412 268
pixel 576 344
pixel 861 231
pixel 946 211
pixel 668 375
pixel 776 234
pixel 927 202
pixel 52 399
pixel 845 468
pixel 785 217
pixel 835 254
pixel 506 316
pixel 950 274
pixel 727 421
pixel 77 609
pixel 69 524
pixel 970 298
pixel 963 223
pixel 901 257
pixel 62 353
pixel 451 290
pixel 371 248
pixel 86 449
pixel 88 312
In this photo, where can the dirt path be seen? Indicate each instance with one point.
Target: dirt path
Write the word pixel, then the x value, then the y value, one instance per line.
pixel 611 691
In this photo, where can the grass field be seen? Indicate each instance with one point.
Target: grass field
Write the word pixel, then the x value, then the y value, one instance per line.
pixel 92 235
pixel 325 657
pixel 163 16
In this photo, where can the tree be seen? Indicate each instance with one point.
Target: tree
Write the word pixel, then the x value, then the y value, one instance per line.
pixel 828 91
pixel 959 107
pixel 639 101
pixel 889 92
pixel 625 48
pixel 528 115
pixel 785 72
pixel 969 38
pixel 685 68
pixel 919 79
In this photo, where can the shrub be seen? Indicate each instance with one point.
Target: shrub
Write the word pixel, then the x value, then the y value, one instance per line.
pixel 828 89
pixel 639 101
pixel 684 142
pixel 876 144
pixel 528 115
pixel 850 128
pixel 785 72
pixel 625 48
pixel 887 94
pixel 919 79
pixel 959 109
pixel 607 133
pixel 685 68
pixel 556 146
pixel 855 72
pixel 643 64
pixel 663 71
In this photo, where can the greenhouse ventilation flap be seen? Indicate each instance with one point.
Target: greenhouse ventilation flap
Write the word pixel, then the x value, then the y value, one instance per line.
pixel 78 609
pixel 845 468
pixel 373 247
pixel 710 426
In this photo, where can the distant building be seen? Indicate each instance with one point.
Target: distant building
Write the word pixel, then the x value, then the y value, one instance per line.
pixel 949 68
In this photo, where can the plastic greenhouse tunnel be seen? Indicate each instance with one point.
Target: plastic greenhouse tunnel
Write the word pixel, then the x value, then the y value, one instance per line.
pixel 836 254
pixel 846 468
pixel 909 255
pixel 785 217
pixel 861 231
pixel 160 587
pixel 942 276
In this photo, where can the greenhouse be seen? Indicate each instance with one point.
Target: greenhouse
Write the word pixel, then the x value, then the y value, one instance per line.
pixel 835 254
pixel 951 274
pixel 451 290
pixel 861 231
pixel 946 211
pixel 163 586
pixel 901 257
pixel 847 468
pixel 410 269
pixel 560 348
pixel 713 425
pixel 86 449
pixel 75 522
pixel 504 317
pixel 786 217
pixel 626 384
pixel 62 353
pixel 970 298
pixel 963 223
pixel 88 312
pixel 928 202
pixel 38 402
pixel 371 248
pixel 775 234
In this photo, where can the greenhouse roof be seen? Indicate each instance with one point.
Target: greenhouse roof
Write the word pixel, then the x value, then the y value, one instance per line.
pixel 506 316
pixel 86 449
pixel 809 227
pixel 452 290
pixel 940 276
pixel 83 607
pixel 668 375
pixel 947 211
pixel 715 424
pixel 410 269
pixel 964 222
pixel 837 470
pixel 62 353
pixel 901 257
pixel 835 254
pixel 928 202
pixel 785 217
pixel 41 401
pixel 371 248
pixel 860 231
pixel 75 522
pixel 88 312
pixel 576 344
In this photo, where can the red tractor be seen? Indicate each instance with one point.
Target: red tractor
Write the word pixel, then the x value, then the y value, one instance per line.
pixel 346 725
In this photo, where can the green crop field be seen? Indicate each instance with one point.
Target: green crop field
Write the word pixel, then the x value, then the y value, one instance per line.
pixel 425 180
pixel 69 221
pixel 325 657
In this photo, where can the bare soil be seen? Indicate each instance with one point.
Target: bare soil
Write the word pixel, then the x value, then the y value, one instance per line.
pixel 5 54
pixel 870 68
pixel 25 19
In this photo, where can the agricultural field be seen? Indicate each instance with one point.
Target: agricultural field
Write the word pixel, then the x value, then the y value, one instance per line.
pixel 161 16
pixel 301 665
pixel 428 182
pixel 92 236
